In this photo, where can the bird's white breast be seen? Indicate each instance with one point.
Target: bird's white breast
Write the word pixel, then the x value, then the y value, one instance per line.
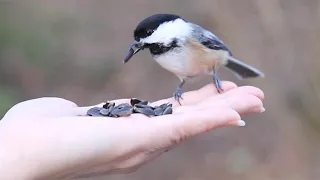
pixel 183 62
pixel 175 61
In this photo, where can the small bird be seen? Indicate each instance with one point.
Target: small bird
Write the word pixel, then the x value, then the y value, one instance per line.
pixel 187 50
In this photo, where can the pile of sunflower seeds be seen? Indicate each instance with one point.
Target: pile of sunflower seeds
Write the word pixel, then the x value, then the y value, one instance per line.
pixel 125 109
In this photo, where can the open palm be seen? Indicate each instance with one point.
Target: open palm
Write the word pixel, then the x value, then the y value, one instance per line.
pixel 51 138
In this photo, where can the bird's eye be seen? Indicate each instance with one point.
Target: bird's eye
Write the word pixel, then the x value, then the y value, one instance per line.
pixel 149 32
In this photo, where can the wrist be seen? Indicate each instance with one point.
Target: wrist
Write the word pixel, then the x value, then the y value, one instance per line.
pixel 13 163
pixel 10 165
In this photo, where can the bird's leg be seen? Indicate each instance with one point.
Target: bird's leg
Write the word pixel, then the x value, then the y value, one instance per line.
pixel 216 81
pixel 178 93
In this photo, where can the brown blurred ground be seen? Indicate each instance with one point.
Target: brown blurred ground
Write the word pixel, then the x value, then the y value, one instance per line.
pixel 74 49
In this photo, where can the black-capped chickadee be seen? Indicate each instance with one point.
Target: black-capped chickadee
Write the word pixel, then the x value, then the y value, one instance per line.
pixel 186 49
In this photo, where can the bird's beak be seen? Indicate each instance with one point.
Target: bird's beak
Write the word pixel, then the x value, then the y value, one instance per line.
pixel 134 49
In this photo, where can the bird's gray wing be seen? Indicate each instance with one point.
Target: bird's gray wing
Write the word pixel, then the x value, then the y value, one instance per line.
pixel 208 39
pixel 215 44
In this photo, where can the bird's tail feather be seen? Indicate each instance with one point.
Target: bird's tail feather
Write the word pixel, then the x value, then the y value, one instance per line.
pixel 243 70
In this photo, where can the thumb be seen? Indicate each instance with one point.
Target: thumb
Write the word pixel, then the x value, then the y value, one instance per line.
pixel 44 106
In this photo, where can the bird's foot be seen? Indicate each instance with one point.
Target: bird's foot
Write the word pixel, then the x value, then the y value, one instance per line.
pixel 178 95
pixel 217 83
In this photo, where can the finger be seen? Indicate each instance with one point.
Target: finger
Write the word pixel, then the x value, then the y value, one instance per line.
pixel 44 106
pixel 242 103
pixel 245 90
pixel 179 127
pixel 238 94
pixel 195 96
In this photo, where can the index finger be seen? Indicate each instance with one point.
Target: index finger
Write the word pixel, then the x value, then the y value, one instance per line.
pixel 195 96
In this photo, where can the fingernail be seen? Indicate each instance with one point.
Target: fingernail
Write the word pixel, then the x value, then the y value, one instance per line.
pixel 241 123
pixel 262 110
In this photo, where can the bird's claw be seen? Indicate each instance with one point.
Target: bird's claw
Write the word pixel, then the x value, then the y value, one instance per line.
pixel 178 95
pixel 217 83
pixel 220 90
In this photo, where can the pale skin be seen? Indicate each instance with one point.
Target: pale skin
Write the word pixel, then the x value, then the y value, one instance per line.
pixel 61 144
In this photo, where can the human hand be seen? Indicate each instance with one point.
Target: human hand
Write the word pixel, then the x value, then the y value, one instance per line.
pixel 50 138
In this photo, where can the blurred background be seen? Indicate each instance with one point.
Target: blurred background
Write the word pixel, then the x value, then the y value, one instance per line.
pixel 74 49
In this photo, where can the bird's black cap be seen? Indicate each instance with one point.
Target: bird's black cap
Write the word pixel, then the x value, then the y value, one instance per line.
pixel 146 27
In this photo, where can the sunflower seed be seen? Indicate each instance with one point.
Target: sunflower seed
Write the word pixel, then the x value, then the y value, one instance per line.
pixel 158 111
pixel 168 110
pixel 145 111
pixel 125 109
pixel 163 106
pixel 122 110
pixel 95 111
pixel 108 105
pixel 134 101
pixel 144 102
pixel 143 106
pixel 105 112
